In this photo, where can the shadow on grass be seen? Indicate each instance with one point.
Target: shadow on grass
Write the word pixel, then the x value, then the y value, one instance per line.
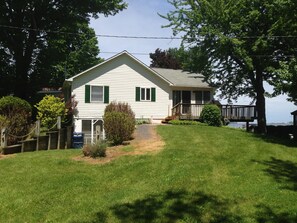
pixel 172 206
pixel 266 214
pixel 275 140
pixel 283 171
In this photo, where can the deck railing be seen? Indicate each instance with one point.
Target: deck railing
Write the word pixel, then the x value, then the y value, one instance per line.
pixel 239 112
pixel 230 112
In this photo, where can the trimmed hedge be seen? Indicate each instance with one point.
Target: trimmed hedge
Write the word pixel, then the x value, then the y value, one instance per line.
pixel 16 116
pixel 184 122
pixel 211 115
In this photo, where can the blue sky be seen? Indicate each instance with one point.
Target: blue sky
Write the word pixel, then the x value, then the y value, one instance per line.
pixel 142 19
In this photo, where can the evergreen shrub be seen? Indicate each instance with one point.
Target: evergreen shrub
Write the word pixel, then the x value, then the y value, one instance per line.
pixel 211 115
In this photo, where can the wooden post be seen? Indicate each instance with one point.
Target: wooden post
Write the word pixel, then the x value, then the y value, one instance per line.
pixel 3 138
pixel 59 131
pixel 69 137
pixel 98 132
pixel 247 126
pixel 37 133
pixel 49 141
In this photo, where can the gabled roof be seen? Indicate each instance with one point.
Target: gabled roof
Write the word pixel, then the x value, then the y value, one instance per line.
pixel 114 57
pixel 177 78
pixel 180 78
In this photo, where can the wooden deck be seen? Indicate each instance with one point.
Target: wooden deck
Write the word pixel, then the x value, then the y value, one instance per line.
pixel 234 113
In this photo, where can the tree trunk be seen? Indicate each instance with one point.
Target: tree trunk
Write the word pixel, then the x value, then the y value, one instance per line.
pixel 21 80
pixel 260 104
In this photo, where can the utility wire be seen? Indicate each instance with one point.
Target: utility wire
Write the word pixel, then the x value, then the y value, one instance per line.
pixel 97 35
pixel 133 37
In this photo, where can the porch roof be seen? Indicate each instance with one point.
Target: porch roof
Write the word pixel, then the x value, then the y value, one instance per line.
pixel 180 78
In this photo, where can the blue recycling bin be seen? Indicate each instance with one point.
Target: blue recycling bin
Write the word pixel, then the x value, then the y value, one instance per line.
pixel 77 140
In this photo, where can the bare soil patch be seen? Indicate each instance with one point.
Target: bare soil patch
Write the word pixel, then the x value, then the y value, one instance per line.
pixel 6 156
pixel 145 141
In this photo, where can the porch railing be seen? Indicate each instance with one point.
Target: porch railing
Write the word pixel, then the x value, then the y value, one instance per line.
pixel 231 112
pixel 187 111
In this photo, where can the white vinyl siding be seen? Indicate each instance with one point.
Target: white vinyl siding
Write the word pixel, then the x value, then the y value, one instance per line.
pixel 123 76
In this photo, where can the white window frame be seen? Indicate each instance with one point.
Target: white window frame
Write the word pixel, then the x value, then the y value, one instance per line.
pixel 145 94
pixel 91 90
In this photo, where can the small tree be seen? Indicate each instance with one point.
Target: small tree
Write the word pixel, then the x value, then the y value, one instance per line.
pixel 119 122
pixel 48 110
pixel 211 115
pixel 16 116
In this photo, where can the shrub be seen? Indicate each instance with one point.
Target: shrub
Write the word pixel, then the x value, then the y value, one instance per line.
pixel 184 122
pixel 143 121
pixel 120 107
pixel 3 122
pixel 95 150
pixel 211 115
pixel 48 110
pixel 16 116
pixel 118 127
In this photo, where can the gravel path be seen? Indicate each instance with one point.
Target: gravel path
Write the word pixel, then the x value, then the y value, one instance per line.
pixel 144 132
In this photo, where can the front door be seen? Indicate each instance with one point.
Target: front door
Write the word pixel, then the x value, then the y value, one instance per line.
pixel 186 101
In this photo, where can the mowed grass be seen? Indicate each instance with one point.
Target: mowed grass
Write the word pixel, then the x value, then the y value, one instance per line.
pixel 204 174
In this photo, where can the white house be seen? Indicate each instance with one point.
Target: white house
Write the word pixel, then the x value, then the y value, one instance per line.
pixel 151 92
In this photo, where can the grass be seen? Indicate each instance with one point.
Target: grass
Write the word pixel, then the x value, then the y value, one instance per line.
pixel 204 174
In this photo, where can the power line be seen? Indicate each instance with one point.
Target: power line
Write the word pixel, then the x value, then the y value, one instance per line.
pixel 141 54
pixel 134 37
pixel 97 35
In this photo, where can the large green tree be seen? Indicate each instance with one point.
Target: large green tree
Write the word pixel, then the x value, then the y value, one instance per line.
pixel 288 80
pixel 33 36
pixel 240 43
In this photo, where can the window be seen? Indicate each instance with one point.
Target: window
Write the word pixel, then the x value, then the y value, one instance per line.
pixel 96 94
pixel 145 94
pixel 202 97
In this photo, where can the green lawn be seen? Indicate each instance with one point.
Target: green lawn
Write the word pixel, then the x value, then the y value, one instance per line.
pixel 204 174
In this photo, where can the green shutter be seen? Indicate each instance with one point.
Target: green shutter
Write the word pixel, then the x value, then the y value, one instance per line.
pixel 106 94
pixel 87 93
pixel 137 94
pixel 153 92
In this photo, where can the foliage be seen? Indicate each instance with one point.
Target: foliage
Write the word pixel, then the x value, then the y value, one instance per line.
pixel 166 59
pixel 35 44
pixel 120 107
pixel 118 126
pixel 48 110
pixel 288 80
pixel 239 44
pixel 211 115
pixel 17 113
pixel 70 106
pixel 3 122
pixel 66 56
pixel 184 122
pixel 95 150
pixel 143 121
pixel 231 176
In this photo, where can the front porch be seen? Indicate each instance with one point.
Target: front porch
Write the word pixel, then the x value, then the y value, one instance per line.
pixel 233 113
